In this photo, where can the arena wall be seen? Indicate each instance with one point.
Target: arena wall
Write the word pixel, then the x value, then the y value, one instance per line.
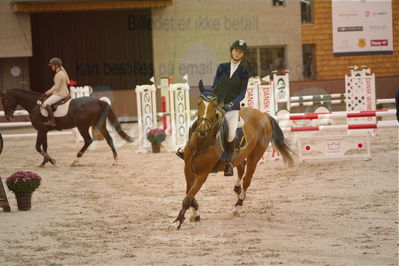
pixel 193 37
pixel 15 48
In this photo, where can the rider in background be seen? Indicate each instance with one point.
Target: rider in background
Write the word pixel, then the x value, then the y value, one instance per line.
pixel 230 86
pixel 59 90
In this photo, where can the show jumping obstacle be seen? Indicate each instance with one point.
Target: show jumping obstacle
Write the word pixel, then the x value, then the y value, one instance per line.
pixel 360 116
pixel 77 92
pixel 178 102
pixel 274 96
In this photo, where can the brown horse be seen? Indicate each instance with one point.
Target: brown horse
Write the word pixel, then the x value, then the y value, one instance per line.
pixel 202 152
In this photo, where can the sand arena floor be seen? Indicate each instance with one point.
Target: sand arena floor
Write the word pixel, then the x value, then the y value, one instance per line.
pixel 337 212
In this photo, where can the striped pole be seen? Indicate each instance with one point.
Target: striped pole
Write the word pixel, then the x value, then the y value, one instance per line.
pixel 382 101
pixel 6 136
pixel 16 113
pixel 15 124
pixel 316 103
pixel 375 113
pixel 382 124
pixel 317 97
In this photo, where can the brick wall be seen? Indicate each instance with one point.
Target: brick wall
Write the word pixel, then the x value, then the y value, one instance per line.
pixel 330 67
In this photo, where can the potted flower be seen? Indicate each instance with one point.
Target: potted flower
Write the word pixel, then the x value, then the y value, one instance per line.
pixel 156 136
pixel 23 184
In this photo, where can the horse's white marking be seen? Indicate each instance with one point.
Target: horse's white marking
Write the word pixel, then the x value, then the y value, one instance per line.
pixel 238 183
pixel 75 162
pixel 206 108
pixel 237 210
pixel 195 213
pixel 242 195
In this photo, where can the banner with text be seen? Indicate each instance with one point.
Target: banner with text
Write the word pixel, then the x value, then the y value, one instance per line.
pixel 362 27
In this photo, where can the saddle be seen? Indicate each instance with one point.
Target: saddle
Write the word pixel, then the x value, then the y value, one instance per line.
pixel 60 102
pixel 240 142
pixel 59 108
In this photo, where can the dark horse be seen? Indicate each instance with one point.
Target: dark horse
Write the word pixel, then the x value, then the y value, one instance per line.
pixel 202 152
pixel 83 113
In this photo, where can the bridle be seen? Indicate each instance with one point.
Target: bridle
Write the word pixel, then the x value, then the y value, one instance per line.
pixel 209 97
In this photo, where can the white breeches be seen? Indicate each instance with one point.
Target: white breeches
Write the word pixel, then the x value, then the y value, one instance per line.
pixel 52 100
pixel 232 120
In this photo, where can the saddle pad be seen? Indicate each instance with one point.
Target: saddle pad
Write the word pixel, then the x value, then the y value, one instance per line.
pixel 61 110
pixel 240 142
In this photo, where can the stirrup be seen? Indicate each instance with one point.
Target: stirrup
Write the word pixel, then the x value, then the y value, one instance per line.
pixel 228 169
pixel 180 154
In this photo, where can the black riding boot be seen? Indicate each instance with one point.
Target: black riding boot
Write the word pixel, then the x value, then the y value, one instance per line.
pixel 180 153
pixel 228 167
pixel 50 119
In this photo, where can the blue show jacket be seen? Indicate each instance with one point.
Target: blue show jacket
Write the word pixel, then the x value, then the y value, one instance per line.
pixel 230 89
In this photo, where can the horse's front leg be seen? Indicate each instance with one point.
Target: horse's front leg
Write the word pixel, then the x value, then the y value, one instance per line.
pixel 190 178
pixel 41 142
pixel 189 200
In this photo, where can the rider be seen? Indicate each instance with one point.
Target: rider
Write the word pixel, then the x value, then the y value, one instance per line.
pixel 58 91
pixel 230 86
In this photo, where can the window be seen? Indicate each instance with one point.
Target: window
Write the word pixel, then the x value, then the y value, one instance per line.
pixel 278 2
pixel 263 60
pixel 309 61
pixel 306 11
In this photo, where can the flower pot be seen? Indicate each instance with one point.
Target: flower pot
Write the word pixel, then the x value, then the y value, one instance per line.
pixel 24 201
pixel 156 147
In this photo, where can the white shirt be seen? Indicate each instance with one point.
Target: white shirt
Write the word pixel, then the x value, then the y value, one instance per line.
pixel 233 67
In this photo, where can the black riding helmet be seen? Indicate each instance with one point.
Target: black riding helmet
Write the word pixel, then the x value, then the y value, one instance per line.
pixel 55 61
pixel 240 44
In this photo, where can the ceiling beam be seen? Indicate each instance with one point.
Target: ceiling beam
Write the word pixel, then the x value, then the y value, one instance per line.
pixel 55 6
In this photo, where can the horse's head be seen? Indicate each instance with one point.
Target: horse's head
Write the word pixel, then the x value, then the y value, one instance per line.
pixel 208 111
pixel 9 104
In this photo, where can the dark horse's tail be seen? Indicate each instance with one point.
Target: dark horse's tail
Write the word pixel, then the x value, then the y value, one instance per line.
pixel 106 112
pixel 280 142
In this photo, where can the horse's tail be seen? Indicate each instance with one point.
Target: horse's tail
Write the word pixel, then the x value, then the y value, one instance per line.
pixel 281 143
pixel 107 112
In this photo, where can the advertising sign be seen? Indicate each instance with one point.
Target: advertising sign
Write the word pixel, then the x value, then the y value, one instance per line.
pixel 362 27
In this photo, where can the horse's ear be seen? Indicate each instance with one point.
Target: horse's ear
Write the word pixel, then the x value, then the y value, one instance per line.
pixel 201 86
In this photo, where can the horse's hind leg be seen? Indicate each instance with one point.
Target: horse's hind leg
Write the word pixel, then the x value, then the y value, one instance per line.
pixel 252 162
pixel 240 171
pixel 84 132
pixel 110 142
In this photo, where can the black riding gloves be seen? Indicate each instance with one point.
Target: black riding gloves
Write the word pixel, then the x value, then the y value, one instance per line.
pixel 228 107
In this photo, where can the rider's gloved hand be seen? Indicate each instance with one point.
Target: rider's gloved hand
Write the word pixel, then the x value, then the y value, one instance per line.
pixel 228 107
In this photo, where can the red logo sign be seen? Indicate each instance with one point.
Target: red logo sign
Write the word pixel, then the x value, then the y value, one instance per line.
pixel 379 42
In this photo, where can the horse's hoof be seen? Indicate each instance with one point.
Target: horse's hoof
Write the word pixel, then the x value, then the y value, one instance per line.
pixel 41 165
pixel 236 213
pixel 53 162
pixel 115 163
pixel 175 225
pixel 75 163
pixel 195 218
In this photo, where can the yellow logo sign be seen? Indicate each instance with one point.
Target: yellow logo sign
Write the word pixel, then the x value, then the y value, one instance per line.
pixel 361 43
